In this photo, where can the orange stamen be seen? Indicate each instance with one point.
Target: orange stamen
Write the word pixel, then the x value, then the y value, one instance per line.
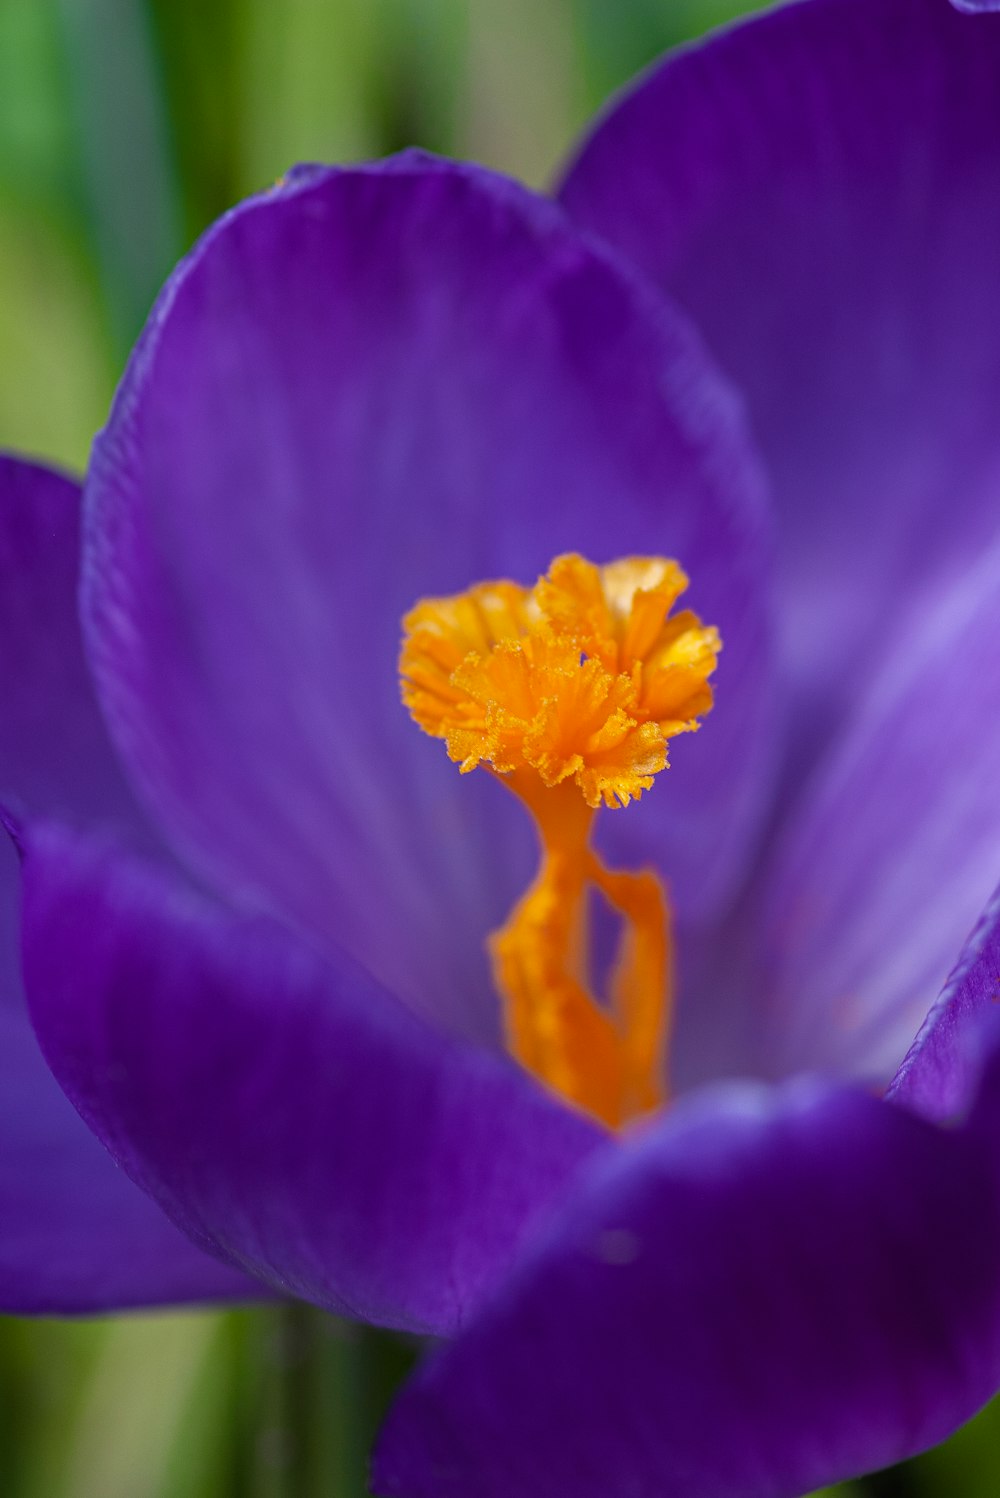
pixel 569 692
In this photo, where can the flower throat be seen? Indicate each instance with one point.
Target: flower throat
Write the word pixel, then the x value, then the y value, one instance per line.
pixel 569 692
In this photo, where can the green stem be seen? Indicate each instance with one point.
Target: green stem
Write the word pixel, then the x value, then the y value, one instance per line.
pixel 327 1386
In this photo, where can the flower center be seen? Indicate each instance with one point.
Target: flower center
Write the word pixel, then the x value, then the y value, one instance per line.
pixel 569 692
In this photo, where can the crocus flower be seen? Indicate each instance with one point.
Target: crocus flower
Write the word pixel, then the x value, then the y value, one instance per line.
pixel 409 390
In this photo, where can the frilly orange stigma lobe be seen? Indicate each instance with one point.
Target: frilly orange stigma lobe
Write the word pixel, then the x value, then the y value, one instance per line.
pixel 569 692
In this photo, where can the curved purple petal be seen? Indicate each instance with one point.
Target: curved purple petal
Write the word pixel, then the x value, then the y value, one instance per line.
pixel 288 1114
pixel 942 1065
pixel 54 751
pixel 818 188
pixel 894 852
pixel 768 1291
pixel 76 1235
pixel 366 386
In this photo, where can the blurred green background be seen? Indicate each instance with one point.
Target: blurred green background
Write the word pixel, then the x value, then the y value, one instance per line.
pixel 126 126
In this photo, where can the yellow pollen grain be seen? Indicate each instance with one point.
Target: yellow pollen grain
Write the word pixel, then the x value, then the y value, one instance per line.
pixel 569 692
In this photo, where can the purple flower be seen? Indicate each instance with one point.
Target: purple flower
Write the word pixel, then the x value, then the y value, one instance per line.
pixel 383 383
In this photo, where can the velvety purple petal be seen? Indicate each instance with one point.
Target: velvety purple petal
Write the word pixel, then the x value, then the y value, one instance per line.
pixel 819 188
pixel 941 1067
pixel 363 387
pixel 894 853
pixel 768 1291
pixel 287 1113
pixel 54 751
pixel 75 1234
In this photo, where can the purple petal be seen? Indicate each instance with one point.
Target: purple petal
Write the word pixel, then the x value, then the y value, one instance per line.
pixel 767 1292
pixel 288 1114
pixel 976 6
pixel 76 1236
pixel 818 187
pixel 363 387
pixel 941 1067
pixel 54 750
pixel 894 852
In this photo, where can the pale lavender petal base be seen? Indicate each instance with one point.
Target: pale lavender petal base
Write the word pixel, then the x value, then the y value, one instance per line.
pixel 894 852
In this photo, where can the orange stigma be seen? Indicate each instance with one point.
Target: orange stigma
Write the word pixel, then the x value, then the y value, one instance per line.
pixel 569 692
